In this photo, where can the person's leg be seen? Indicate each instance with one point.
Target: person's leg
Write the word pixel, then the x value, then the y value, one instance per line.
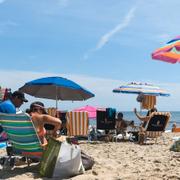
pixel 141 136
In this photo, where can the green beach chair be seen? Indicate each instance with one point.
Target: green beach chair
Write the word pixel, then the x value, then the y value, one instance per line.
pixel 22 135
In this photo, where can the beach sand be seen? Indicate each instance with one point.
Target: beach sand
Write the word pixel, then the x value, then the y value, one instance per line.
pixel 119 160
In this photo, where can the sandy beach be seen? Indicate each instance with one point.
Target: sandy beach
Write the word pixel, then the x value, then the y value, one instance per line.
pixel 119 160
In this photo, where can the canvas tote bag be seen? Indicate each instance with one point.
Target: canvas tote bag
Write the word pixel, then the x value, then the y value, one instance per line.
pixel 61 159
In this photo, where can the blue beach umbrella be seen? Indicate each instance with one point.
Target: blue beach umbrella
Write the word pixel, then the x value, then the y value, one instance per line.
pixel 57 88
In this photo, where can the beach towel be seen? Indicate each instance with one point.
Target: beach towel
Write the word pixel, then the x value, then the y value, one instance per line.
pixel 148 102
pixel 77 123
pixel 61 159
pixel 110 113
pixel 106 119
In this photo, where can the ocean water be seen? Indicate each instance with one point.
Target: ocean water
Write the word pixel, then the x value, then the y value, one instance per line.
pixel 175 118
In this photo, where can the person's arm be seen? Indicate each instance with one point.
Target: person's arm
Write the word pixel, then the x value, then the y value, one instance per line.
pixel 116 125
pixel 142 118
pixel 47 119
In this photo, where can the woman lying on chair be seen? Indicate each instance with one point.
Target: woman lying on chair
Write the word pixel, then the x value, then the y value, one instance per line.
pixel 40 118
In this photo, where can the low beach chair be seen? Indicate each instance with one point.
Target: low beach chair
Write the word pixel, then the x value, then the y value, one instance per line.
pixel 106 120
pixel 156 125
pixel 77 123
pixel 175 129
pixel 22 135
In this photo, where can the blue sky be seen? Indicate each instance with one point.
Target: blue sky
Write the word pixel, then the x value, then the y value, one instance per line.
pixel 99 44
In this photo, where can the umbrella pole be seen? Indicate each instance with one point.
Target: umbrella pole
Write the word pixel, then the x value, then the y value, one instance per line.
pixel 56 99
pixel 56 104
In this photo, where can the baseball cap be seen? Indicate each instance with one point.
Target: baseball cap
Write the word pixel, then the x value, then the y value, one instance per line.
pixel 19 95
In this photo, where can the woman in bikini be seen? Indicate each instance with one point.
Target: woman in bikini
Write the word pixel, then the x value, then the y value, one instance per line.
pixel 40 118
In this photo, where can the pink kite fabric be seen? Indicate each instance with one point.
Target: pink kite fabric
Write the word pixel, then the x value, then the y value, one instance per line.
pixel 90 109
pixel 169 53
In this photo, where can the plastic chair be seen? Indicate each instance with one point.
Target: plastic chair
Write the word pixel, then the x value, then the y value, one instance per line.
pixel 22 135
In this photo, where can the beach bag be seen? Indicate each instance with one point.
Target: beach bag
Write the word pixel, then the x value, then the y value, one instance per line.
pixel 176 146
pixel 87 161
pixel 61 159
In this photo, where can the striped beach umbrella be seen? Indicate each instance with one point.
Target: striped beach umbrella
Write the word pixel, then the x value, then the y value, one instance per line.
pixel 141 88
pixel 146 93
pixel 169 53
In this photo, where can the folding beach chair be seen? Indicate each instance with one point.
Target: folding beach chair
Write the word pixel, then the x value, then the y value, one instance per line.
pixel 156 125
pixel 106 120
pixel 22 135
pixel 77 123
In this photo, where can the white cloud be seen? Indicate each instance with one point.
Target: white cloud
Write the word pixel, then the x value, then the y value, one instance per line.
pixel 106 37
pixel 101 87
pixel 126 21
